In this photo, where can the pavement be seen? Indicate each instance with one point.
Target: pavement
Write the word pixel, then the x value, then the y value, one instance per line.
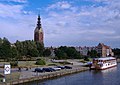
pixel 30 73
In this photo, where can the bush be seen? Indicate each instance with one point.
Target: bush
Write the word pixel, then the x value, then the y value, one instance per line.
pixel 65 62
pixel 86 58
pixel 14 63
pixel 40 62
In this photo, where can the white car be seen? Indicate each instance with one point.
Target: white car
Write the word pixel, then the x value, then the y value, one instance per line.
pixel 56 69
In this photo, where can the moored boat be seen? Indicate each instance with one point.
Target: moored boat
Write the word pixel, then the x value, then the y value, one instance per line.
pixel 104 63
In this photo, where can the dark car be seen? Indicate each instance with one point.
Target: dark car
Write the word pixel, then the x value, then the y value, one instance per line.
pixel 62 67
pixel 38 70
pixel 52 69
pixel 48 70
pixel 68 67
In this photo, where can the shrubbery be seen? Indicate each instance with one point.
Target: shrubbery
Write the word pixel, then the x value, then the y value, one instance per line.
pixel 40 62
pixel 86 58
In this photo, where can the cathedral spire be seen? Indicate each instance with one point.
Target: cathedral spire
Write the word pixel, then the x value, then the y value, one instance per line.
pixel 39 22
pixel 38 32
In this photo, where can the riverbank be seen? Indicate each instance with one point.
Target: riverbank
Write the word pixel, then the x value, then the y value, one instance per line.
pixel 47 75
pixel 94 77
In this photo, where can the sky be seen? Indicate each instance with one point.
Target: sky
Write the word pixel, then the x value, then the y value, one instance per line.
pixel 64 22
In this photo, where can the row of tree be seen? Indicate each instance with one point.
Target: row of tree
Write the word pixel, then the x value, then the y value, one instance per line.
pixel 93 54
pixel 19 49
pixel 30 48
pixel 64 52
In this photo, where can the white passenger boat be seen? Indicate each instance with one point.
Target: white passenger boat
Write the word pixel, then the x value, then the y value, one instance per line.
pixel 104 63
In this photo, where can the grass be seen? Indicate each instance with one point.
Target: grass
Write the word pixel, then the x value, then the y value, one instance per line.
pixel 11 77
pixel 26 63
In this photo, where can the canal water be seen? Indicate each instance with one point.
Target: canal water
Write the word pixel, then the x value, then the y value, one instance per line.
pixel 105 77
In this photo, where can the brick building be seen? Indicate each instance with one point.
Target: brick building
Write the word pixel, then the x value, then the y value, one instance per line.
pixel 104 50
pixel 38 32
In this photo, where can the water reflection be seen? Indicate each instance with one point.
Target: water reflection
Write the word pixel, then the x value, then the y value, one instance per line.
pixel 113 69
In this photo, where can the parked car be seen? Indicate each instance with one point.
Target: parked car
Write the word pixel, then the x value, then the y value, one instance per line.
pixel 38 70
pixel 68 67
pixel 62 67
pixel 48 69
pixel 52 69
pixel 56 68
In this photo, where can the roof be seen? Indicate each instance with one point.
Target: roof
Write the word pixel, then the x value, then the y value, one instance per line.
pixel 102 45
pixel 105 58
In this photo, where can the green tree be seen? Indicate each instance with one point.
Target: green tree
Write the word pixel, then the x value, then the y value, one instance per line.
pixel 116 52
pixel 40 48
pixel 72 53
pixel 92 54
pixel 14 53
pixel 60 54
pixel 68 52
pixel 40 62
pixel 19 47
pixel 33 52
pixel 1 41
pixel 47 52
pixel 5 49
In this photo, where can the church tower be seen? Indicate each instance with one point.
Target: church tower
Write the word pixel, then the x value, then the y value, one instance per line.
pixel 38 33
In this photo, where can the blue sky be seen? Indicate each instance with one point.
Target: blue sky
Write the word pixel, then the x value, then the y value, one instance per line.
pixel 65 22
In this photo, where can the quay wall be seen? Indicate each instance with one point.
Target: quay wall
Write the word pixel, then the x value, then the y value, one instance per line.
pixel 48 76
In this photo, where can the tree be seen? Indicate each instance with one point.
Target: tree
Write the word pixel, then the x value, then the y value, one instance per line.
pixel 29 48
pixel 116 52
pixel 92 54
pixel 47 52
pixel 72 53
pixel 40 48
pixel 1 41
pixel 19 47
pixel 40 62
pixel 5 49
pixel 86 58
pixel 60 54
pixel 33 52
pixel 67 52
pixel 14 53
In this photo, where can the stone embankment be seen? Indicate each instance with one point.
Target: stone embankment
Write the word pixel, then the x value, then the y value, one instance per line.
pixel 48 75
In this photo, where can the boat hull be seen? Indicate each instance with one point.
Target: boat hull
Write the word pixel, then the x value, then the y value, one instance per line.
pixel 100 68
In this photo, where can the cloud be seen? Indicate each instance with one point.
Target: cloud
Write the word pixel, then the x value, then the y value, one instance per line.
pixel 10 10
pixel 60 5
pixel 87 23
pixel 64 22
pixel 16 23
pixel 18 1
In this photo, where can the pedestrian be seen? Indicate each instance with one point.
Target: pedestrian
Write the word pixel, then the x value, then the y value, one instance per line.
pixel 19 68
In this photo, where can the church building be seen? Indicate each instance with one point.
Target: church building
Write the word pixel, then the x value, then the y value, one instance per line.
pixel 38 32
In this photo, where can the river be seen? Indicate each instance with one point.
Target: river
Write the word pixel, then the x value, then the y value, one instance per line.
pixel 105 77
